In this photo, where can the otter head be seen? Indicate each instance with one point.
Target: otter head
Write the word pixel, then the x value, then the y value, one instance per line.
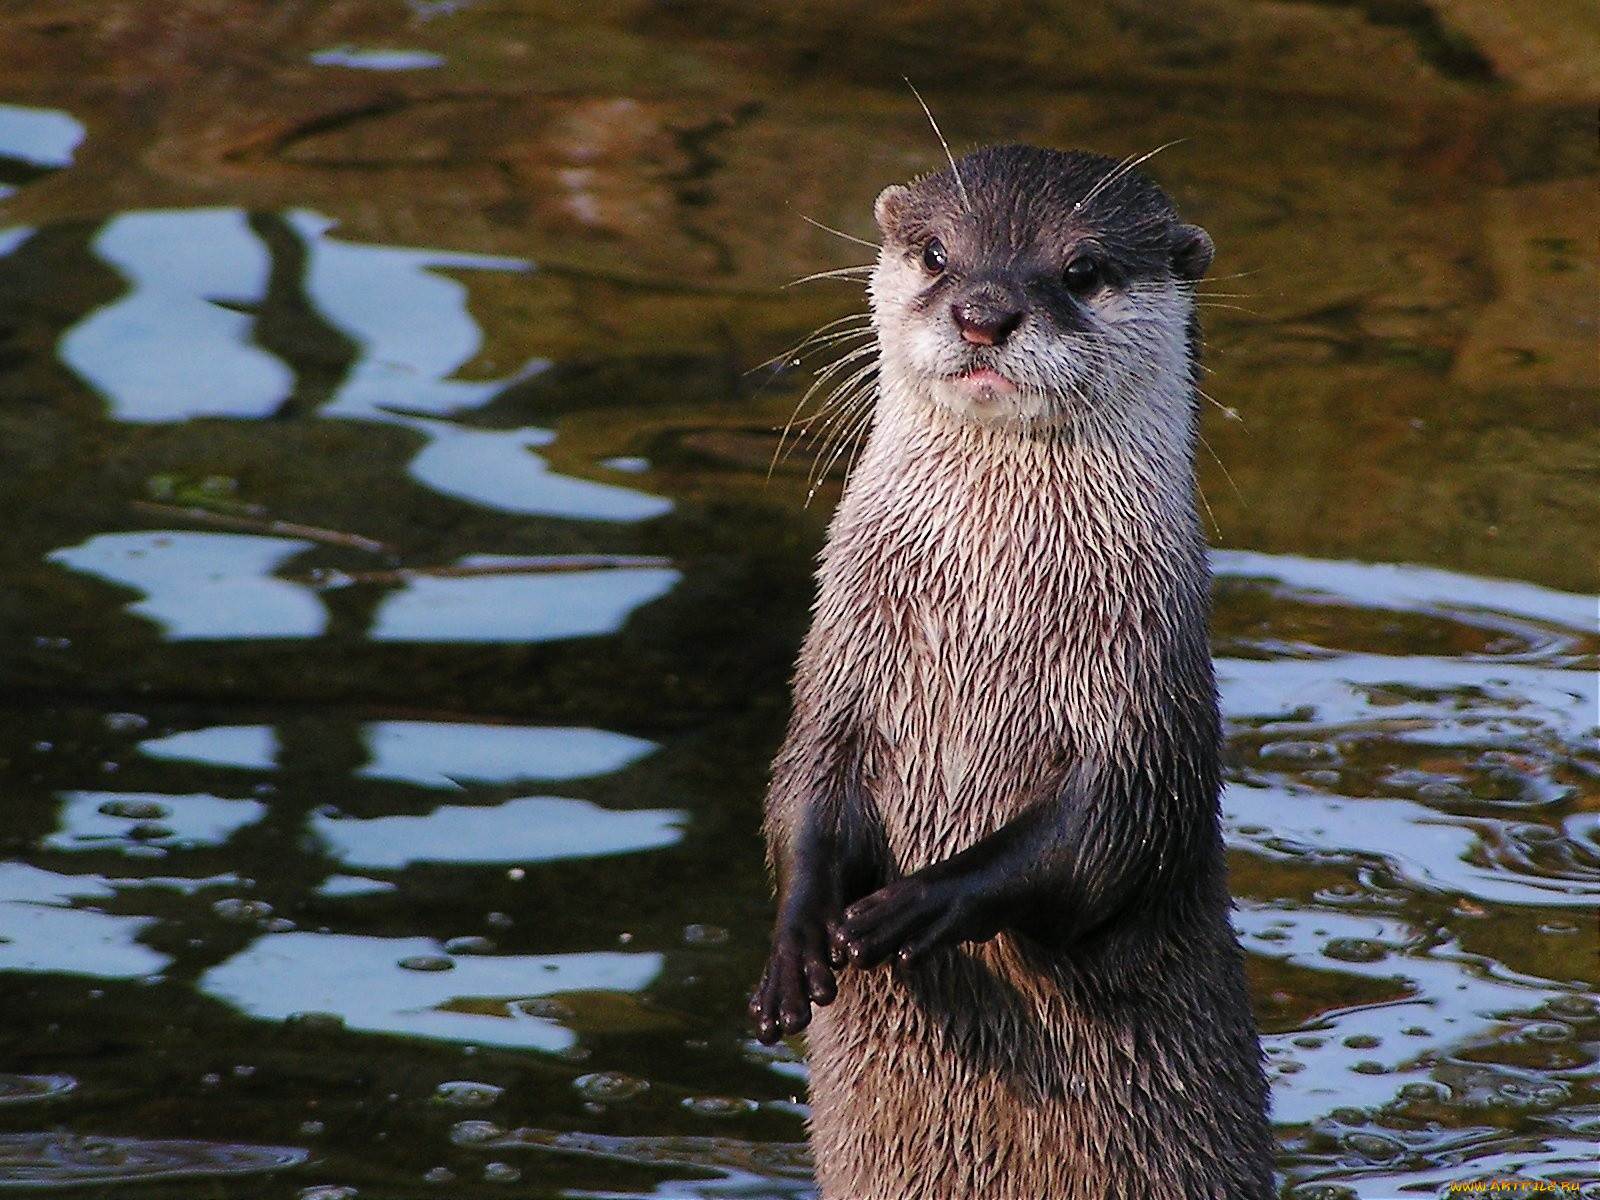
pixel 1038 288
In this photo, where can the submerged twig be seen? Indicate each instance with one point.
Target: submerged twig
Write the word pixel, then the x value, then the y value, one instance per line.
pixel 311 533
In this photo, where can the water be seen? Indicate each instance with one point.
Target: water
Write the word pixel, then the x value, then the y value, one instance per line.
pixel 400 609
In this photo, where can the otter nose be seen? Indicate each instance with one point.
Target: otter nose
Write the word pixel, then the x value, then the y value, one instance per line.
pixel 985 322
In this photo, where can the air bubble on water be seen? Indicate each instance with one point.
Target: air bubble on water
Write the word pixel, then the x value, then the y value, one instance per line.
pixel 1355 950
pixel 1373 1147
pixel 439 1175
pixel 500 1172
pixel 1547 1031
pixel 704 935
pixel 545 1008
pixel 235 908
pixel 611 1087
pixel 466 1093
pixel 1300 751
pixel 719 1106
pixel 469 944
pixel 475 1133
pixel 425 962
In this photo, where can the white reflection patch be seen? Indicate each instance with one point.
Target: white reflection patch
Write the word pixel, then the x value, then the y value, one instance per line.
pixel 360 980
pixel 199 820
pixel 1444 992
pixel 1429 850
pixel 173 347
pixel 204 585
pixel 41 933
pixel 496 469
pixel 248 746
pixel 437 753
pixel 526 830
pixel 45 137
pixel 517 608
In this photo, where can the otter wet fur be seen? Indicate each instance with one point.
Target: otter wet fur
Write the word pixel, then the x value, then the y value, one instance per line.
pixel 1002 900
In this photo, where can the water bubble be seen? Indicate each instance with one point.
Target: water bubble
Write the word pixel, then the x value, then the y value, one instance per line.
pixel 278 925
pixel 1362 1041
pixel 1424 1093
pixel 1355 950
pixel 425 962
pixel 719 1106
pixel 327 1191
pixel 1324 1191
pixel 1560 928
pixel 610 1087
pixel 312 1128
pixel 1442 791
pixel 135 810
pixel 1547 1031
pixel 500 1172
pixel 543 1006
pixel 1349 1116
pixel 1373 1147
pixel 150 831
pixel 243 1070
pixel 475 1133
pixel 704 935
pixel 498 920
pixel 1300 751
pixel 1571 1005
pixel 242 911
pixel 124 722
pixel 465 1093
pixel 1368 1067
pixel 470 944
pixel 439 1175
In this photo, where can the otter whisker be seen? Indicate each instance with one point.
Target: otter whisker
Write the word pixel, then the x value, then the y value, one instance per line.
pixel 837 273
pixel 849 237
pixel 1126 166
pixel 955 172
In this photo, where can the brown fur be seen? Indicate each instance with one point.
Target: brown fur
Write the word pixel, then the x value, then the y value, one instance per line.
pixel 1006 701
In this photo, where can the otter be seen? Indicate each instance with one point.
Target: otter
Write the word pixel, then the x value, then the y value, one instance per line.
pixel 994 822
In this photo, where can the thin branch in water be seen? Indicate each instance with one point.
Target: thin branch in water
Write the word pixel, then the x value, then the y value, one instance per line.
pixel 311 533
pixel 543 564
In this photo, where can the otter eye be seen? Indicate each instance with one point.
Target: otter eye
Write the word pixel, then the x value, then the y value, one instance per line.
pixel 1082 275
pixel 934 257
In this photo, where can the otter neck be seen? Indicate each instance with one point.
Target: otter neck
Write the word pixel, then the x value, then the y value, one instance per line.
pixel 1096 492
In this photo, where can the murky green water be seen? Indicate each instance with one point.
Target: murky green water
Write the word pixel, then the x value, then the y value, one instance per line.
pixel 399 608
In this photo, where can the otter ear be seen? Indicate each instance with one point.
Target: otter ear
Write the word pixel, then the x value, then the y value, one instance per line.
pixel 890 207
pixel 1191 251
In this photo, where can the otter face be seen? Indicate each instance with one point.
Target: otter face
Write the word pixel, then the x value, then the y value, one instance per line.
pixel 1038 288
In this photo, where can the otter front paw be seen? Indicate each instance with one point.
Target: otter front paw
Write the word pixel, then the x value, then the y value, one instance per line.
pixel 904 920
pixel 797 976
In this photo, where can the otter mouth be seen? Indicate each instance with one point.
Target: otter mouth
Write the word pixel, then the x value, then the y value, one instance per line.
pixel 984 385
